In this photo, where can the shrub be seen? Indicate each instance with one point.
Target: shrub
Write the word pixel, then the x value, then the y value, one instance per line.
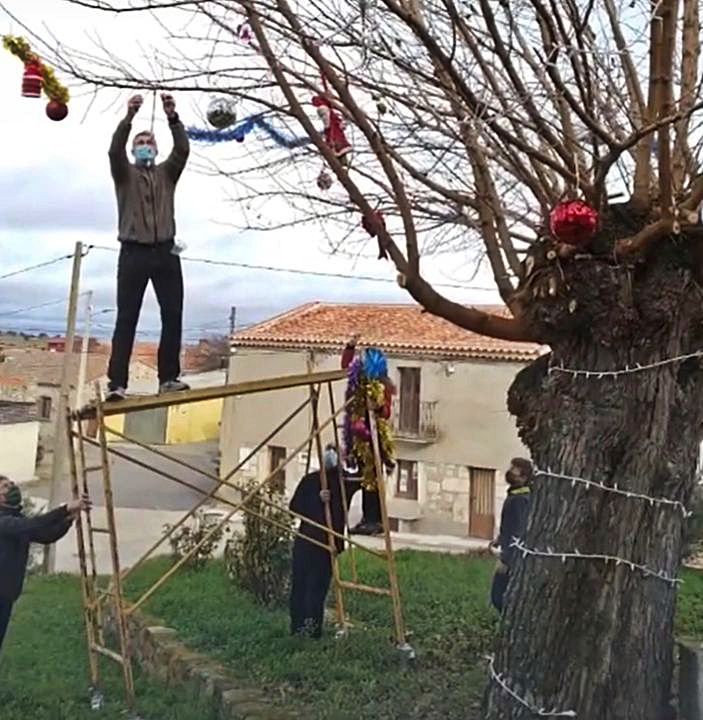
pixel 258 559
pixel 187 537
pixel 694 534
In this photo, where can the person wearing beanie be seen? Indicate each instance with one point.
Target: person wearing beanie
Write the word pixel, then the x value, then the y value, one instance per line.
pixel 17 532
pixel 311 570
pixel 513 522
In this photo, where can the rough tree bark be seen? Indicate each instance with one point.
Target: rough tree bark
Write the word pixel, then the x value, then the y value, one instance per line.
pixel 595 637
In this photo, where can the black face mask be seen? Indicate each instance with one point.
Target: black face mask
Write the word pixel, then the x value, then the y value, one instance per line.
pixel 13 498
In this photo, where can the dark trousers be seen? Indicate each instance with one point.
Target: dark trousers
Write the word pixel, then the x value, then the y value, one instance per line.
pixel 5 612
pixel 137 265
pixel 498 588
pixel 371 506
pixel 312 572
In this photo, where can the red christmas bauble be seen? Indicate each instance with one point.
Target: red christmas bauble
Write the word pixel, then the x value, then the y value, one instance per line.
pixel 56 110
pixel 573 222
pixel 32 80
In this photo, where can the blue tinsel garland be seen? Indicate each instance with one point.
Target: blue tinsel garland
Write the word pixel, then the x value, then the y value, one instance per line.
pixel 242 129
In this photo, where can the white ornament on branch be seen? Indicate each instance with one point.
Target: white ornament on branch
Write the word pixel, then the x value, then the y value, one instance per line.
pixel 497 678
pixel 574 480
pixel 576 555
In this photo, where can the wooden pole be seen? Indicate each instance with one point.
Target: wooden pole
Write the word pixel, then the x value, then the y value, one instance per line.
pixel 345 500
pixel 116 580
pixel 324 484
pixel 392 571
pixel 58 466
pixel 86 589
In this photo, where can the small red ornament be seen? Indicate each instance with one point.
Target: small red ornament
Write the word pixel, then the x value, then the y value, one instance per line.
pixel 56 110
pixel 32 79
pixel 573 222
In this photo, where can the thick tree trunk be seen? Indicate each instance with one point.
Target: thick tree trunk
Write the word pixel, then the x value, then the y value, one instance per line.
pixel 585 635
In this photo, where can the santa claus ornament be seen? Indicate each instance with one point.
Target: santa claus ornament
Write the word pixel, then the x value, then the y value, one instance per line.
pixel 38 77
pixel 333 128
pixel 573 222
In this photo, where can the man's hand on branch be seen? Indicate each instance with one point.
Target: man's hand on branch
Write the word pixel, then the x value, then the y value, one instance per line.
pixel 169 104
pixel 133 105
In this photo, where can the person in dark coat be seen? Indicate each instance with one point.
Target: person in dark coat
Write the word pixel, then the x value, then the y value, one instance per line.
pixel 16 533
pixel 312 564
pixel 513 521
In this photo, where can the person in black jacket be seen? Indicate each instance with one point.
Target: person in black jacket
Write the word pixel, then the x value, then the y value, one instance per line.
pixel 513 521
pixel 312 564
pixel 17 532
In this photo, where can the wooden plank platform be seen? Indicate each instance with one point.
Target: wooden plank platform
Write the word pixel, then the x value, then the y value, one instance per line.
pixel 149 402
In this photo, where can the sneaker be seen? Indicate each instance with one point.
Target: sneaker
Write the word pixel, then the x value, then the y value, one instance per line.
pixel 171 386
pixel 113 394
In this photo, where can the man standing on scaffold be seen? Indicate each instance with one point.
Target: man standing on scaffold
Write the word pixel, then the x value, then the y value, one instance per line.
pixel 147 231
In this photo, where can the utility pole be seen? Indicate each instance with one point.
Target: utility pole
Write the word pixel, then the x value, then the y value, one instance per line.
pixel 232 328
pixel 60 431
pixel 85 347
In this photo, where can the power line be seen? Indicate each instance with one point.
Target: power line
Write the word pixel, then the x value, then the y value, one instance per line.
pixel 17 311
pixel 297 271
pixel 29 268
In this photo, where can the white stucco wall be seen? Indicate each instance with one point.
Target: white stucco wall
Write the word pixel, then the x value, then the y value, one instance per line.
pixel 19 450
pixel 475 428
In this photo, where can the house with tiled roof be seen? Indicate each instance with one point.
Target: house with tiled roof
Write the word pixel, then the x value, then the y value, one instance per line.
pixel 454 435
pixel 19 439
pixel 34 376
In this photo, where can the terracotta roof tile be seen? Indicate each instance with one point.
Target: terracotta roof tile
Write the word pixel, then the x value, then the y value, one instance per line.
pixel 44 367
pixel 404 329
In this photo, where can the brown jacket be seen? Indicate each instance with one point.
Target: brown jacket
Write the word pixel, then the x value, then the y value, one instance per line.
pixel 145 194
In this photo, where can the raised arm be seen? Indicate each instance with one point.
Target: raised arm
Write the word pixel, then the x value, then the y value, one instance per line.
pixel 349 351
pixel 176 161
pixel 119 164
pixel 32 529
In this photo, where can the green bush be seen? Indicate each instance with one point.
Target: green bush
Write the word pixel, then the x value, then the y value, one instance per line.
pixel 258 559
pixel 694 534
pixel 186 538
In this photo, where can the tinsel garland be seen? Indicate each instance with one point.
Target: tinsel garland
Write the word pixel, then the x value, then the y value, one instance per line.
pixel 20 48
pixel 357 437
pixel 242 129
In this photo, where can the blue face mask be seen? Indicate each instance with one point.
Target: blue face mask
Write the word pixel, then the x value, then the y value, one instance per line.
pixel 144 154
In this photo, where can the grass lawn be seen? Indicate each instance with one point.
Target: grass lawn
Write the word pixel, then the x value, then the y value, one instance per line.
pixel 43 673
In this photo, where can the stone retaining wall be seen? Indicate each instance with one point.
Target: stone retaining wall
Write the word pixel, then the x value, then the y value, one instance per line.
pixel 160 654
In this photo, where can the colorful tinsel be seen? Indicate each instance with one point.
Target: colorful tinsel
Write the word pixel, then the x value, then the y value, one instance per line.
pixel 21 49
pixel 357 436
pixel 242 129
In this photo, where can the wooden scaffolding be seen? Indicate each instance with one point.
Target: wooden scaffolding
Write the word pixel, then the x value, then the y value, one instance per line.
pixel 96 596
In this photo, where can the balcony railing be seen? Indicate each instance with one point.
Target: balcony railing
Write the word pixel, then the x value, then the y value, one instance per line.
pixel 415 427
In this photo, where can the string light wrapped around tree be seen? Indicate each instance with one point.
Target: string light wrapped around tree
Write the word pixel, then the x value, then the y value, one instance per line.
pixel 221 112
pixel 573 222
pixel 365 385
pixel 37 77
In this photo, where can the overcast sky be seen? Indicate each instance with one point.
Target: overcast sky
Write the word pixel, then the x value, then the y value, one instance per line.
pixel 55 189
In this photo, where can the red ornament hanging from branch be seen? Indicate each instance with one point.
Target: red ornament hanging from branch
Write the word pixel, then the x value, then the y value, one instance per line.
pixel 32 79
pixel 334 128
pixel 573 222
pixel 38 77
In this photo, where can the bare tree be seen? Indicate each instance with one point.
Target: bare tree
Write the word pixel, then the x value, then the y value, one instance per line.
pixel 471 121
